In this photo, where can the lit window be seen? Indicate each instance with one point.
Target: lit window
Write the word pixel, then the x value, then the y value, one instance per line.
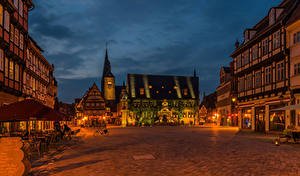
pixel 142 91
pixel 185 92
pixel 150 87
pixel 6 66
pixel 1 15
pixel 1 60
pixel 6 20
pixel 17 72
pixel 170 92
pixel 11 69
pixel 157 91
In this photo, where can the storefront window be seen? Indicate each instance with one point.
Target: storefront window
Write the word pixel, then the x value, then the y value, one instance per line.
pixel 246 116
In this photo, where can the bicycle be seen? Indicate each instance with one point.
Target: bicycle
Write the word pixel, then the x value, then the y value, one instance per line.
pixel 100 132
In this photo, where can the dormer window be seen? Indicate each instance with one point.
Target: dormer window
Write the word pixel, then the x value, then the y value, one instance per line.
pixel 185 92
pixel 274 15
pixel 142 91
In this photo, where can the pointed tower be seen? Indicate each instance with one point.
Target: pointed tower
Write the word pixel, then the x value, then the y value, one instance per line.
pixel 108 80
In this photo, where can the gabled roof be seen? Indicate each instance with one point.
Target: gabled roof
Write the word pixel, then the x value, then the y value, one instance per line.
pixel 226 69
pixel 160 87
pixel 262 27
pixel 93 94
pixel 210 101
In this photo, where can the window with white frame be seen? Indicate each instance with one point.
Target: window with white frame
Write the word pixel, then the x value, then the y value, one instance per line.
pixel 280 71
pixel 255 52
pixel 246 58
pixel 12 33
pixel 276 40
pixel 6 67
pixel 268 75
pixel 265 47
pixel 297 37
pixel 297 69
pixel 21 6
pixel 21 41
pixel 11 69
pixel 6 20
pixel 257 79
pixel 249 82
pixel 16 36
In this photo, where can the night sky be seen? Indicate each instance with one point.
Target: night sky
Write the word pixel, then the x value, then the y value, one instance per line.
pixel 145 36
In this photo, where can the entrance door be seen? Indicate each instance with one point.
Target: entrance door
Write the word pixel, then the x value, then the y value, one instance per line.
pixel 260 120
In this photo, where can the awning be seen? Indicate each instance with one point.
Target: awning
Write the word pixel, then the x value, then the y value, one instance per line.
pixel 27 110
pixel 290 107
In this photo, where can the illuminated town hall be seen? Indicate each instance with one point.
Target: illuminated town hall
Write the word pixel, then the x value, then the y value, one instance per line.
pixel 143 100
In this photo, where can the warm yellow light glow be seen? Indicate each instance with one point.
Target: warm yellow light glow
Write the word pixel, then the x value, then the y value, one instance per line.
pixel 233 100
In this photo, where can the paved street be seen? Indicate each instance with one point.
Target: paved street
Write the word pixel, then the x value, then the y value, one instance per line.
pixel 174 151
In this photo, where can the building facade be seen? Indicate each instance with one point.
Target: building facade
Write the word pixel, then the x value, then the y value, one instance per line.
pixel 262 66
pixel 160 99
pixel 24 72
pixel 96 106
pixel 91 108
pixel 226 98
pixel 208 109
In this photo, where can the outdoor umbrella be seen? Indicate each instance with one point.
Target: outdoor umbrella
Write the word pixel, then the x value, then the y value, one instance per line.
pixel 22 110
pixel 26 110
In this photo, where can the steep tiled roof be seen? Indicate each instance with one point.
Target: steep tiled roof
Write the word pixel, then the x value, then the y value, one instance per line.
pixel 162 87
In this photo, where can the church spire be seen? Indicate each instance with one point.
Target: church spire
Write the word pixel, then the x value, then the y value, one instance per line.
pixel 107 67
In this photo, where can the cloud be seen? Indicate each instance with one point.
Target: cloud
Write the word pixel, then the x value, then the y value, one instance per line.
pixel 156 37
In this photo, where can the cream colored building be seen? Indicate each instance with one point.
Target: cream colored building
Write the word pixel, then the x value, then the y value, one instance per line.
pixel 265 65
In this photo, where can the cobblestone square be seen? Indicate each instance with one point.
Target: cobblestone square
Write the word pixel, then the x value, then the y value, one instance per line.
pixel 165 151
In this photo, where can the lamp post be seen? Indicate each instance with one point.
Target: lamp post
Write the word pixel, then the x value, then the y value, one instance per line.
pixel 233 100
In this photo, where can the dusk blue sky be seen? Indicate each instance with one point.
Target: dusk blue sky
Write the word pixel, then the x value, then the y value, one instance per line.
pixel 145 36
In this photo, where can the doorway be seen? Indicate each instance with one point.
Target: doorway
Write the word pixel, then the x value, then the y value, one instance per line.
pixel 260 119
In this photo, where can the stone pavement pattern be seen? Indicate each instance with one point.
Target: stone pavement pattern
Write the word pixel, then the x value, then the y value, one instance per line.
pixel 168 151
